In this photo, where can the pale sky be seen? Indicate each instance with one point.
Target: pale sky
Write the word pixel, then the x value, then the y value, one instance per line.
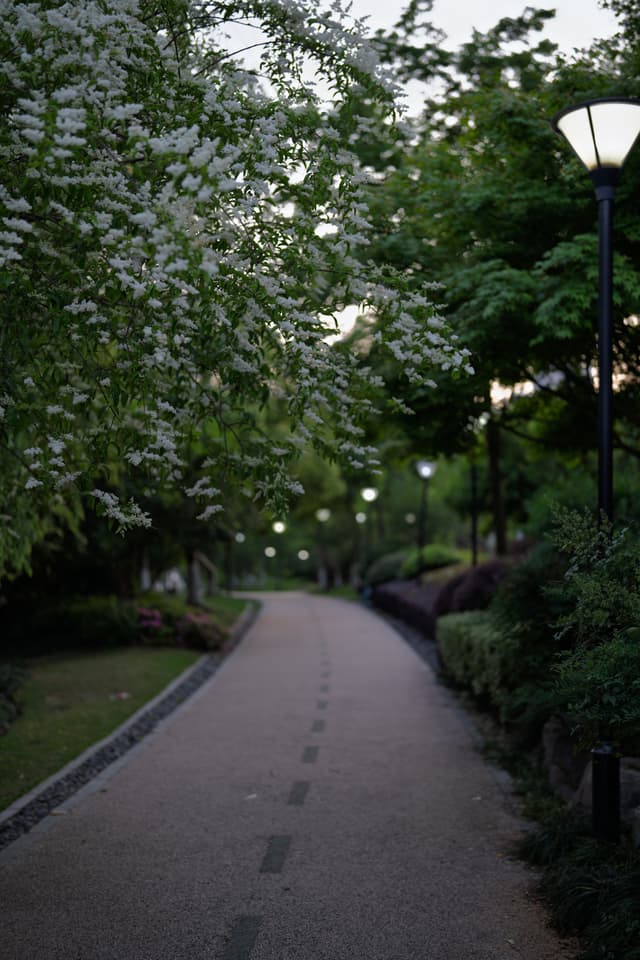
pixel 576 24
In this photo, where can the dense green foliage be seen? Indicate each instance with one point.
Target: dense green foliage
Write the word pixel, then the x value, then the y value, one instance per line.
pixel 505 655
pixel 599 675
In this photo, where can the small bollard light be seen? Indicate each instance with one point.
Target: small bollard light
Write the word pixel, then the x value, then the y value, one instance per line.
pixel 605 792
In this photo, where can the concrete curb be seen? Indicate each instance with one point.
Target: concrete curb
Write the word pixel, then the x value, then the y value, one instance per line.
pixel 41 799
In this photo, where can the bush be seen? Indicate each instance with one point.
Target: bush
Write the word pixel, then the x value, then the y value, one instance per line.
pixel 200 631
pixel 601 687
pixel 384 568
pixel 166 618
pixel 523 614
pixel 432 557
pixel 471 590
pixel 522 600
pixel 599 674
pixel 105 621
pixel 88 622
pixel 11 679
pixel 601 587
pixel 480 656
pixel 525 709
pixel 171 606
pixel 474 654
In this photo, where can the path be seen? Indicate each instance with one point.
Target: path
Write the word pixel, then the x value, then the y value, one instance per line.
pixel 320 798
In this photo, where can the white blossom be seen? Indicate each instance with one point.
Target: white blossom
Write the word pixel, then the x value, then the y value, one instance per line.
pixel 162 284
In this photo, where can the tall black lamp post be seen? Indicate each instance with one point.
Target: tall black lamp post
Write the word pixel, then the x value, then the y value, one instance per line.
pixel 426 469
pixel 602 133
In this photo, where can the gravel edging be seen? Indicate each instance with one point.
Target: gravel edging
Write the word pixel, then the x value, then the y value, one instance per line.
pixel 27 811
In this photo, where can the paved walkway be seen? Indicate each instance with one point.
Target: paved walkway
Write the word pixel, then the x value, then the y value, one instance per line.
pixel 320 798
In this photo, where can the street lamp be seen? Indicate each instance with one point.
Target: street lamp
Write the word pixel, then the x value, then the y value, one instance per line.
pixel 602 133
pixel 323 514
pixel 426 469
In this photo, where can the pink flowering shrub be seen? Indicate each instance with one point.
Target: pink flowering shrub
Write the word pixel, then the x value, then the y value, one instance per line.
pixel 151 625
pixel 199 631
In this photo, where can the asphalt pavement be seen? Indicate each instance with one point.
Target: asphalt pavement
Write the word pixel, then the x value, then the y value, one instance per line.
pixel 321 797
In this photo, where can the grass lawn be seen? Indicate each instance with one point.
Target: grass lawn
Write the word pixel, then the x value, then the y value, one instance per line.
pixel 69 703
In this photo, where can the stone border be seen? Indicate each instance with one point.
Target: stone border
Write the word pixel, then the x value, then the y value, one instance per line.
pixel 28 810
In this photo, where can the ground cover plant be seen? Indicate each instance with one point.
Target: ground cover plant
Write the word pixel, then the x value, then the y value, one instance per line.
pixel 71 700
pixel 592 889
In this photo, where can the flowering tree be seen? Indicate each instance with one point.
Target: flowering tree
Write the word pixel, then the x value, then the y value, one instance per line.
pixel 177 232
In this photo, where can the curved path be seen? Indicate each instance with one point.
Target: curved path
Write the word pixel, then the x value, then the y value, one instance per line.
pixel 320 798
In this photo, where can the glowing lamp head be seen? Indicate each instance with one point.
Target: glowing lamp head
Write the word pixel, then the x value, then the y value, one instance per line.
pixel 601 132
pixel 426 469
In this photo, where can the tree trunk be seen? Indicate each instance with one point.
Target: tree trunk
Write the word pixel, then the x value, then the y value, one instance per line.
pixel 193 578
pixel 494 450
pixel 145 572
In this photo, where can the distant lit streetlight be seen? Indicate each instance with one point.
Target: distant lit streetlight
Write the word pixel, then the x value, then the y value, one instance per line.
pixel 425 469
pixel 323 514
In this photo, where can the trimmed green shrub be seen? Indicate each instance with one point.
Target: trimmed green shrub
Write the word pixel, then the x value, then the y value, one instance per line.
pixel 474 654
pixel 384 568
pixel 483 658
pixel 432 557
